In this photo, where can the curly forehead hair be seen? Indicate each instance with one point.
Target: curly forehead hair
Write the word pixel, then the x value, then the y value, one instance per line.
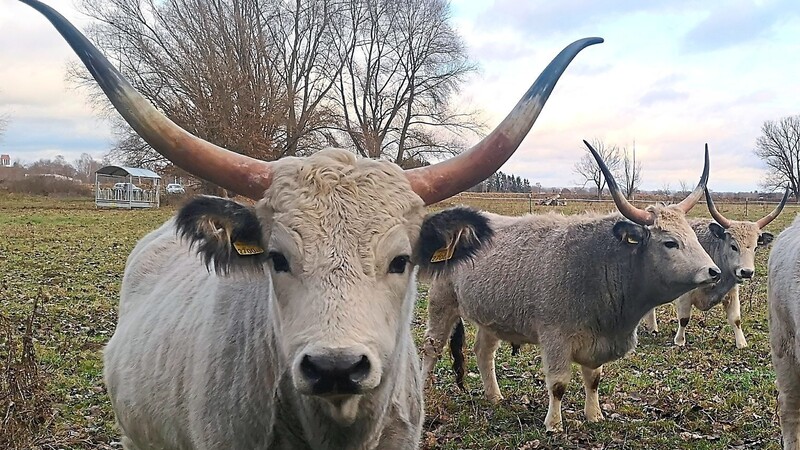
pixel 669 218
pixel 745 233
pixel 335 178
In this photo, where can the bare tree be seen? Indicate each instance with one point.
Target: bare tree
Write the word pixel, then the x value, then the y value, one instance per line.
pixel 779 147
pixel 587 167
pixel 685 187
pixel 666 190
pixel 631 172
pixel 249 75
pixel 396 88
pixel 85 166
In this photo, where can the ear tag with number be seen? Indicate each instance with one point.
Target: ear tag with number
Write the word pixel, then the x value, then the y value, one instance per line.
pixel 445 253
pixel 247 248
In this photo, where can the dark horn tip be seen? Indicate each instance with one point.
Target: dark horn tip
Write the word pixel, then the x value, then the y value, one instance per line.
pixel 704 178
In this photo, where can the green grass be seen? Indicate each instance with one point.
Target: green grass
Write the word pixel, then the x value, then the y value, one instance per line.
pixel 707 395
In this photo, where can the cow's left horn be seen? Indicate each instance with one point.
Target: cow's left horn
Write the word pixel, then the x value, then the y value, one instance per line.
pixel 447 178
pixel 721 220
pixel 764 221
pixel 688 203
pixel 238 173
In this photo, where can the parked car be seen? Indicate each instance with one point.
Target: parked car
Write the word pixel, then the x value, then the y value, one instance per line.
pixel 125 187
pixel 175 188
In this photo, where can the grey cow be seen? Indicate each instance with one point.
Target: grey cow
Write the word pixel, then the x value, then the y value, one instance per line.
pixel 783 299
pixel 575 285
pixel 287 324
pixel 732 245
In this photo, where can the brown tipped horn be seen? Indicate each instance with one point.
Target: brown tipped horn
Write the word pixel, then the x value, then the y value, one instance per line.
pixel 764 221
pixel 724 222
pixel 447 178
pixel 241 174
pixel 688 203
pixel 633 213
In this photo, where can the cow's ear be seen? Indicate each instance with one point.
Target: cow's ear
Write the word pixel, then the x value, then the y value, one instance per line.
pixel 631 234
pixel 223 232
pixel 765 238
pixel 717 230
pixel 449 237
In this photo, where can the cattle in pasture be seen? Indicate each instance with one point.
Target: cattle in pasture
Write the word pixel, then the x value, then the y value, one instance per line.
pixel 575 285
pixel 287 324
pixel 732 245
pixel 783 301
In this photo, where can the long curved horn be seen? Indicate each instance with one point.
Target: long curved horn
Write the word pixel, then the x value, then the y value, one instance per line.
pixel 722 220
pixel 633 213
pixel 688 203
pixel 238 173
pixel 764 221
pixel 447 178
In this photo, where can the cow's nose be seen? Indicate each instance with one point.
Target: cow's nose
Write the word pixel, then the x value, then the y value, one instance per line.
pixel 335 374
pixel 746 273
pixel 714 273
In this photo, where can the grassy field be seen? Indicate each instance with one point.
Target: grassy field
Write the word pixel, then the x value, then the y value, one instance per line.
pixel 61 263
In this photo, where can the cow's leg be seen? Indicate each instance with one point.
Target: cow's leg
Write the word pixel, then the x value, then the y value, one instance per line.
pixel 733 311
pixel 442 316
pixel 557 372
pixel 788 381
pixel 649 321
pixel 591 382
pixel 683 307
pixel 486 344
pixel 127 444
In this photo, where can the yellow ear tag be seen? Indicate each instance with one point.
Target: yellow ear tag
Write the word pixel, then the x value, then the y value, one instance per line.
pixel 446 253
pixel 247 248
pixel 631 240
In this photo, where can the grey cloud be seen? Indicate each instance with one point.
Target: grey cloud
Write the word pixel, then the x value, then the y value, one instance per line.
pixel 663 90
pixel 541 19
pixel 738 22
pixel 662 95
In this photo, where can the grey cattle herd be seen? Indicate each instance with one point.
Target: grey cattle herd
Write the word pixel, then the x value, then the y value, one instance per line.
pixel 287 324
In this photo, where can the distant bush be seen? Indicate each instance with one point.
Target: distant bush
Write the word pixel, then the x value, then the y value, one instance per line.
pixel 47 186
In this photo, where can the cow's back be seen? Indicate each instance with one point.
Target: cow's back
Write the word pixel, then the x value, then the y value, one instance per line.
pixel 187 365
pixel 538 272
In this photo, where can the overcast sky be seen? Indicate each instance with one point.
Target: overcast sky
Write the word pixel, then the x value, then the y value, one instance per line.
pixel 671 76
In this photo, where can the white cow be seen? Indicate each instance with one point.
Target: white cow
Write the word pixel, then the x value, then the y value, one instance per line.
pixel 286 324
pixel 732 245
pixel 783 298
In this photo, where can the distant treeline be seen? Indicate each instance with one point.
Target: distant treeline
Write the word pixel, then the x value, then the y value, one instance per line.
pixel 501 182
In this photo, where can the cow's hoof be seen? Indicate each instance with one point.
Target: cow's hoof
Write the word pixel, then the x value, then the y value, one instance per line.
pixel 554 428
pixel 594 417
pixel 495 398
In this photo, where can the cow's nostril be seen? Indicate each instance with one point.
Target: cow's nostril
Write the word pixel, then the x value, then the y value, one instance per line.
pixel 747 273
pixel 714 272
pixel 360 370
pixel 309 369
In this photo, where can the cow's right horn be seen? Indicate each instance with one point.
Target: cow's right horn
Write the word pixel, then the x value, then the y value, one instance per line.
pixel 238 173
pixel 688 203
pixel 762 222
pixel 457 174
pixel 633 213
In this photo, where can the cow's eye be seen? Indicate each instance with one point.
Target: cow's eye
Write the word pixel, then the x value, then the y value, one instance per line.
pixel 398 265
pixel 734 247
pixel 671 244
pixel 279 262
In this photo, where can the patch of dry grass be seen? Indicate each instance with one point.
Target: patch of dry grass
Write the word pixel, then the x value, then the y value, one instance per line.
pixel 61 263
